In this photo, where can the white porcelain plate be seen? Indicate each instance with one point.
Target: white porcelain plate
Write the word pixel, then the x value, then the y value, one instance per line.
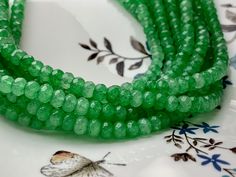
pixel 100 41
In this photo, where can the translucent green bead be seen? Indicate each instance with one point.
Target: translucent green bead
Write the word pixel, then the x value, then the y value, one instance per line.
pixel 12 98
pixel 99 93
pixel 6 84
pixel 32 89
pixel 18 86
pixel 132 129
pixel 125 97
pixel 43 113
pixel 148 99
pixel 156 123
pixel 45 93
pixel 88 89
pixel 136 99
pixel 161 101
pixel 113 93
pixel 24 119
pixel 185 103
pixel 45 73
pixel 145 126
pixel 107 130
pixel 67 78
pixel 172 103
pixel 35 68
pixel 58 98
pixel 139 84
pixel 81 125
pixel 56 77
pixel 69 103
pixel 94 109
pixel 68 123
pixel 77 86
pixel 33 106
pixel 36 124
pixel 119 130
pixel 108 111
pixel 82 106
pixel 94 128
pixel 11 113
pixel 120 113
pixel 56 118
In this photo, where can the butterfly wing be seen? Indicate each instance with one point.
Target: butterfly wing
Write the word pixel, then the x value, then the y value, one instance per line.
pixel 62 167
pixel 92 170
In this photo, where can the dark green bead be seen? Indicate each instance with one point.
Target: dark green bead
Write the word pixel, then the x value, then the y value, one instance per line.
pixel 94 109
pixel 77 86
pixel 24 119
pixel 119 130
pixel 56 77
pixel 120 113
pixel 107 130
pixel 68 123
pixel 132 129
pixel 36 124
pixel 113 93
pixel 108 111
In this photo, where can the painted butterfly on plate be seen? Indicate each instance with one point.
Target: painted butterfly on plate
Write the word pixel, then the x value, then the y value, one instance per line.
pixel 68 164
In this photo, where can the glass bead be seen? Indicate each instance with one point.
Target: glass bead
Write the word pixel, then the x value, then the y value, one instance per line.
pixel 81 125
pixel 69 103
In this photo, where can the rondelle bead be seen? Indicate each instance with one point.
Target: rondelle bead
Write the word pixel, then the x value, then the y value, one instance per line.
pixel 68 123
pixel 108 111
pixel 107 130
pixel 24 119
pixel 94 109
pixel 82 106
pixel 136 99
pixel 119 130
pixel 132 129
pixel 69 103
pixel 58 98
pixel 32 89
pixel 94 127
pixel 18 86
pixel 144 126
pixel 88 89
pixel 56 118
pixel 45 93
pixel 6 84
pixel 33 107
pixel 43 113
pixel 81 124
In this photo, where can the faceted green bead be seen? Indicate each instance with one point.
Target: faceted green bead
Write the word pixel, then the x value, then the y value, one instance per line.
pixel 125 97
pixel 43 113
pixel 45 93
pixel 108 111
pixel 31 89
pixel 161 101
pixel 82 106
pixel 12 98
pixel 119 130
pixel 36 124
pixel 33 107
pixel 172 103
pixel 6 84
pixel 58 98
pixel 56 77
pixel 81 125
pixel 35 68
pixel 26 62
pixel 16 56
pixel 77 86
pixel 56 118
pixel 136 99
pixel 107 130
pixel 67 78
pixel 139 84
pixel 156 123
pixel 11 113
pixel 24 119
pixel 88 89
pixel 68 123
pixel 185 103
pixel 199 80
pixel 94 109
pixel 148 99
pixel 69 103
pixel 45 73
pixel 120 113
pixel 132 129
pixel 94 128
pixel 18 86
pixel 145 126
pixel 48 125
pixel 99 93
pixel 113 93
